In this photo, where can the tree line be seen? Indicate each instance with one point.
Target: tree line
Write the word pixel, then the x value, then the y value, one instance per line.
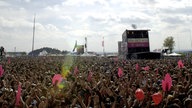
pixel 48 50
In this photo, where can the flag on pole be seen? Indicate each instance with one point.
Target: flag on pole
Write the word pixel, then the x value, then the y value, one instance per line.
pixel 75 46
pixel 85 42
pixel 103 42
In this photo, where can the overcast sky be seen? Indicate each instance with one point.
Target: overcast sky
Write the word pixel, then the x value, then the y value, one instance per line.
pixel 59 23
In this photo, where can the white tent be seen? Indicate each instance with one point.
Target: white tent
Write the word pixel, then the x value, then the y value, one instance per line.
pixel 174 54
pixel 43 53
pixel 87 54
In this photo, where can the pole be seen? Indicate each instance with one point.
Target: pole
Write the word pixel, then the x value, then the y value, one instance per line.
pixel 15 49
pixel 178 43
pixel 33 34
pixel 103 47
pixel 85 44
pixel 190 37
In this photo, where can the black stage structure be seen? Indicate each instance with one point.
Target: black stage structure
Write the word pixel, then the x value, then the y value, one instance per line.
pixel 135 45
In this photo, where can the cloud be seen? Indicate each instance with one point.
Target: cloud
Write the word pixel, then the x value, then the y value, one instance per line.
pixel 96 19
pixel 177 11
pixel 83 2
pixel 64 21
pixel 147 2
pixel 51 27
pixel 173 20
pixel 4 4
pixel 134 20
pixel 14 23
pixel 27 1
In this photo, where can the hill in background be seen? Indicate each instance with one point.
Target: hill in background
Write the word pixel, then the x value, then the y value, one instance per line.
pixel 48 50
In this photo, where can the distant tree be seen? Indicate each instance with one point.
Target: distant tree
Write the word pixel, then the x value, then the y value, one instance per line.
pixel 170 43
pixel 64 52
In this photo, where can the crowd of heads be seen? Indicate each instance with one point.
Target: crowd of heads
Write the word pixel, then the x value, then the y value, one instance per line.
pixel 95 82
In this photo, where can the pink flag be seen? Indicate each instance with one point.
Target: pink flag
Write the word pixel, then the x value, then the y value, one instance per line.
pixel 9 61
pixel 180 64
pixel 164 85
pixel 137 67
pixel 89 76
pixel 76 71
pixel 58 78
pixel 167 82
pixel 1 71
pixel 18 95
pixel 120 72
pixel 146 68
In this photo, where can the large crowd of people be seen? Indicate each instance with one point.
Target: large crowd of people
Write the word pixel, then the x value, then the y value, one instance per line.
pixel 102 89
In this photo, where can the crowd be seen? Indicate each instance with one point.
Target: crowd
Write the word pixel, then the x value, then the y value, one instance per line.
pixel 102 89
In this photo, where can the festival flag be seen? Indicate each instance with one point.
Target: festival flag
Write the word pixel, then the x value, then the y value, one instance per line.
pixel 18 95
pixel 1 70
pixel 89 76
pixel 76 71
pixel 57 78
pixel 180 64
pixel 167 82
pixel 75 46
pixel 146 68
pixel 120 72
pixel 103 42
pixel 137 67
pixel 85 42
